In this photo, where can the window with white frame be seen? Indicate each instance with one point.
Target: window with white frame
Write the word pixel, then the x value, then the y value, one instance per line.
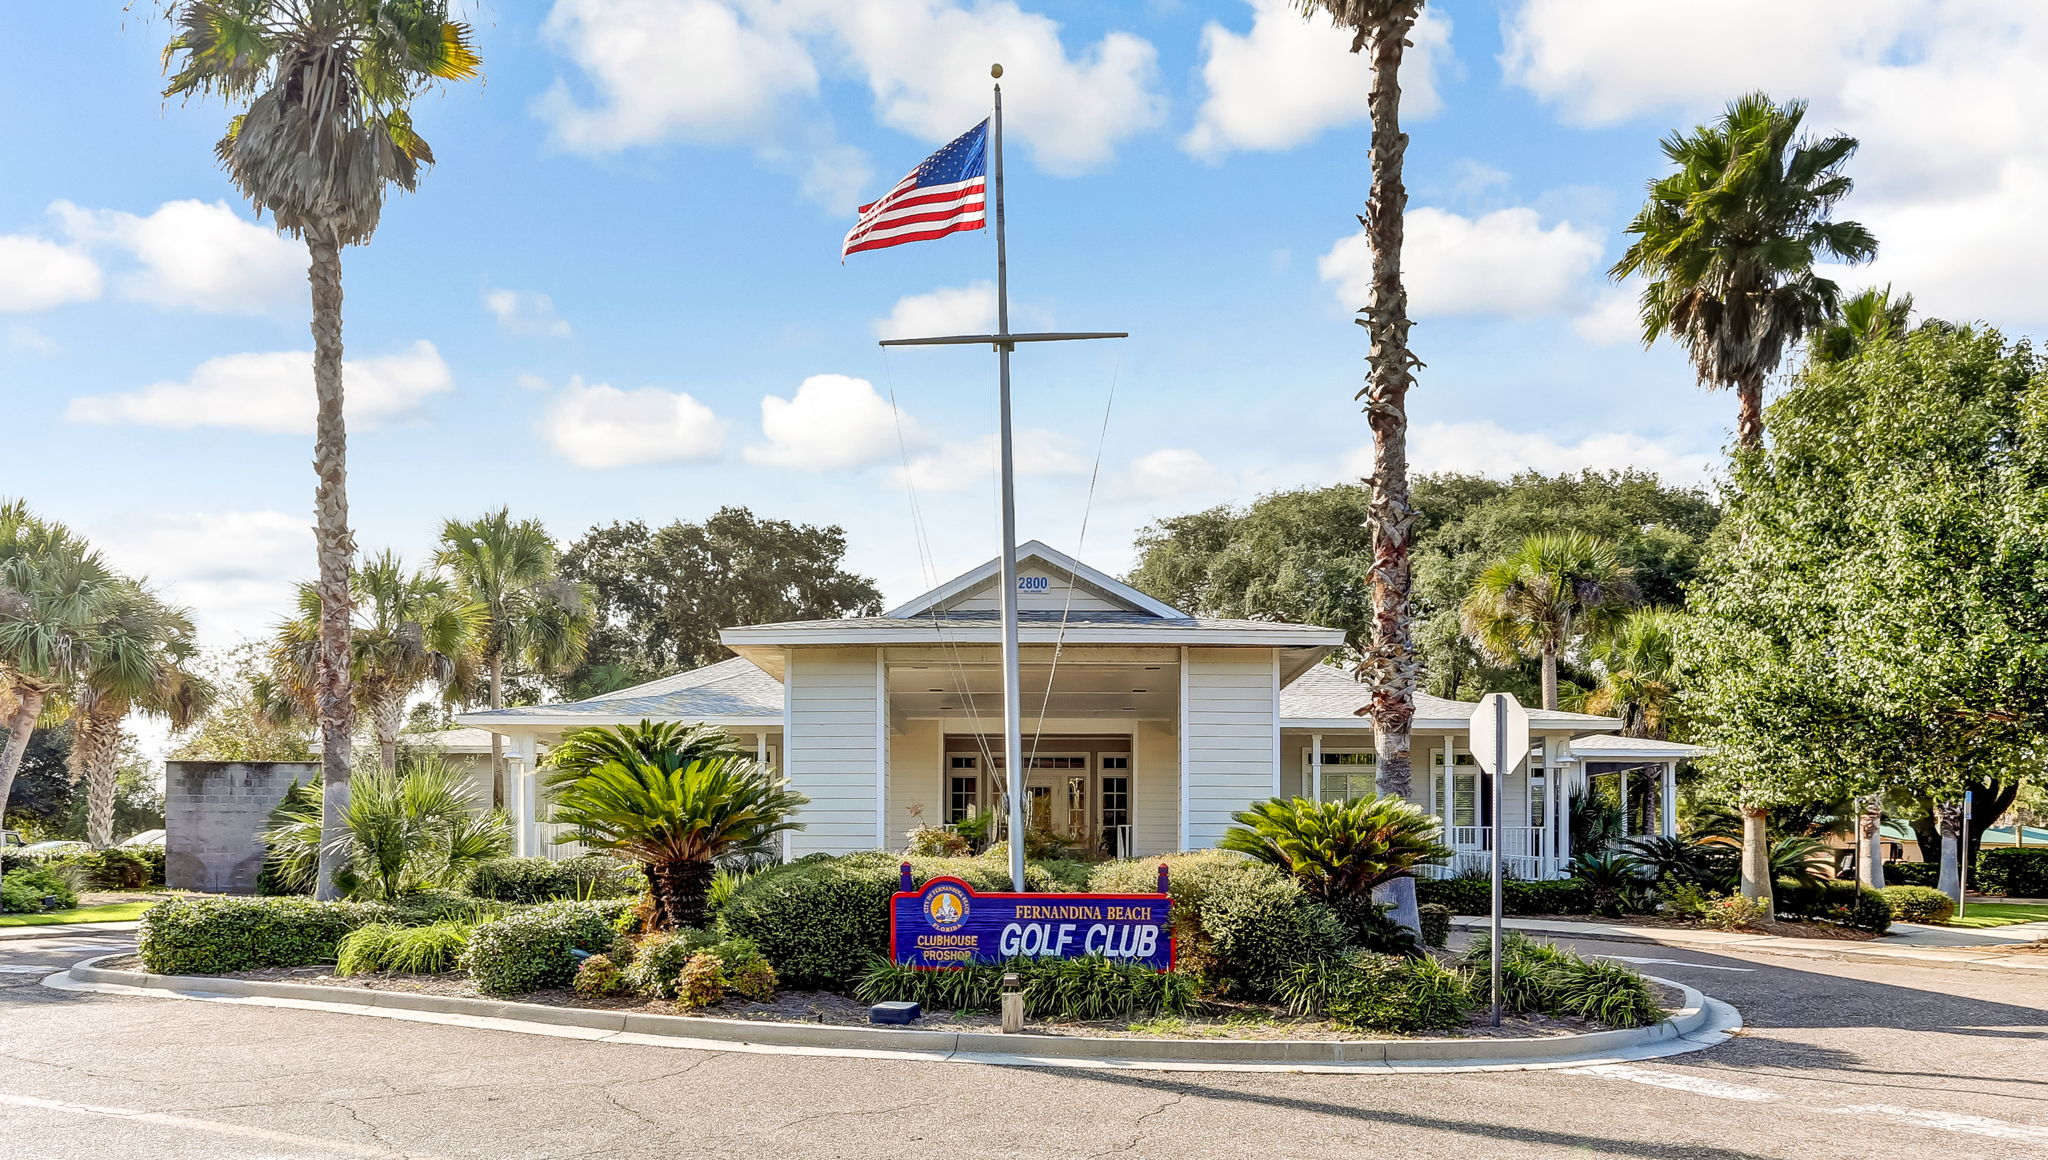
pixel 1539 786
pixel 1465 788
pixel 1347 773
pixel 963 788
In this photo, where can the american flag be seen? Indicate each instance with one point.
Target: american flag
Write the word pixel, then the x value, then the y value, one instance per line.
pixel 948 193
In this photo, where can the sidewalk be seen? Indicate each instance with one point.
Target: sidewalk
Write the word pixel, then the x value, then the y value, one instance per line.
pixel 63 929
pixel 1907 942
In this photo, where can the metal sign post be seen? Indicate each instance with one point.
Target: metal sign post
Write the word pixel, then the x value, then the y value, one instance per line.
pixel 1500 742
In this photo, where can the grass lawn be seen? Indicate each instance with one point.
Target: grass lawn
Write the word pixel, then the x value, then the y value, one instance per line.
pixel 111 912
pixel 1980 914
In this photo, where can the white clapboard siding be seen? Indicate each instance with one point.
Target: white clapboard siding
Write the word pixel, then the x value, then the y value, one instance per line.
pixel 1051 598
pixel 1229 721
pixel 916 784
pixel 830 750
pixel 1155 788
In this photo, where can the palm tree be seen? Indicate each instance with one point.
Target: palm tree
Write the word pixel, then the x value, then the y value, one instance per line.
pixel 1867 317
pixel 141 656
pixel 1339 850
pixel 1390 663
pixel 326 88
pixel 413 828
pixel 409 628
pixel 673 799
pixel 1544 598
pixel 53 587
pixel 1638 662
pixel 532 616
pixel 1728 242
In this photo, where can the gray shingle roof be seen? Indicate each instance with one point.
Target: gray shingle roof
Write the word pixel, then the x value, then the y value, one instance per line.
pixel 730 688
pixel 1039 618
pixel 1326 692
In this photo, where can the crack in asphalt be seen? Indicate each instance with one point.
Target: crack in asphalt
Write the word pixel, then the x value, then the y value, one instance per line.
pixel 1138 1125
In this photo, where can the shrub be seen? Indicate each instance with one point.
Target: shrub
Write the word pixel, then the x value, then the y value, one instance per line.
pixel 413 950
pixel 1710 908
pixel 546 880
pixel 820 919
pixel 1436 923
pixel 1918 904
pixel 529 949
pixel 1371 992
pixel 598 976
pixel 936 842
pixel 659 958
pixel 1912 873
pixel 1339 850
pixel 702 981
pixel 420 826
pixel 1616 883
pixel 36 890
pixel 431 906
pixel 1833 900
pixel 2016 872
pixel 1541 978
pixel 746 971
pixel 1474 895
pixel 211 936
pixel 1243 923
pixel 1088 988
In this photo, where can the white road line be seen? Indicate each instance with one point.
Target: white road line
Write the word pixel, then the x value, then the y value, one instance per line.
pixel 1676 963
pixel 216 1127
pixel 1698 1085
pixel 1950 1122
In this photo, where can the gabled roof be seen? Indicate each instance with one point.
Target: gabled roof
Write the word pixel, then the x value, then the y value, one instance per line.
pixel 731 692
pixel 1614 747
pixel 1330 698
pixel 1044 557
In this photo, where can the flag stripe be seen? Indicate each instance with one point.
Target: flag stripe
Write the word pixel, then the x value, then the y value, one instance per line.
pixel 921 235
pixel 945 194
pixel 907 231
pixel 940 213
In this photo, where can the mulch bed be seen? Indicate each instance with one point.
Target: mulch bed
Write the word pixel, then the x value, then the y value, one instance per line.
pixel 1222 1020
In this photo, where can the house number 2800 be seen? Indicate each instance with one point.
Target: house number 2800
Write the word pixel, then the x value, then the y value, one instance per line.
pixel 1033 583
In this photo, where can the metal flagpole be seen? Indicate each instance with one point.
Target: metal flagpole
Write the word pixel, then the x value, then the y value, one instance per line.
pixel 1006 342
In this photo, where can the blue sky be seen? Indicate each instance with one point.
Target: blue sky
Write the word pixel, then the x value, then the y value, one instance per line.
pixel 631 242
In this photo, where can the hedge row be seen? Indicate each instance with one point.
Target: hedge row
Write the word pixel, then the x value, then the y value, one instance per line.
pixel 212 936
pixel 118 868
pixel 2018 872
pixel 1475 895
pixel 547 880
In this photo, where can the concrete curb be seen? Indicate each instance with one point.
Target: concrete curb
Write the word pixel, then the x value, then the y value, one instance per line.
pixel 1702 1022
pixel 1855 952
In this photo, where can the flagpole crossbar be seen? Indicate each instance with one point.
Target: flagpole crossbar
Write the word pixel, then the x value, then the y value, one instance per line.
pixel 1005 339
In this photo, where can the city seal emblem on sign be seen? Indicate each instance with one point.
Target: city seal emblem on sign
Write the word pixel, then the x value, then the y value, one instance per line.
pixel 946 907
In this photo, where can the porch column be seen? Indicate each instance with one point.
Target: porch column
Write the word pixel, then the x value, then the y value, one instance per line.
pixel 1448 802
pixel 1623 775
pixel 1554 797
pixel 1315 766
pixel 519 788
pixel 1568 782
pixel 1669 799
pixel 761 747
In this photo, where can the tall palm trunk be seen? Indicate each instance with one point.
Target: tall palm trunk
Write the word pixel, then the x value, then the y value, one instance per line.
pixel 1870 843
pixel 1756 859
pixel 336 547
pixel 387 717
pixel 28 705
pixel 1390 663
pixel 497 742
pixel 1749 413
pixel 1550 678
pixel 96 758
pixel 1948 817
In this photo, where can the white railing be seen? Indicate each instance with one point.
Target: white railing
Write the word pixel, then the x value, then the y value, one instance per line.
pixel 545 846
pixel 1120 845
pixel 1522 852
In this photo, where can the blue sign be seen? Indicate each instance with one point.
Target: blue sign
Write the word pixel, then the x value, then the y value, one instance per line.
pixel 950 924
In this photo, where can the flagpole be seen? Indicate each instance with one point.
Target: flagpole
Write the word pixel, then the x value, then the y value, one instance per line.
pixel 1013 715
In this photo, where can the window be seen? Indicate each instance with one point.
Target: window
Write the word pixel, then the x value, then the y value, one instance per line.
pixel 1116 763
pixel 1116 800
pixel 1465 788
pixel 1539 787
pixel 1347 773
pixel 963 797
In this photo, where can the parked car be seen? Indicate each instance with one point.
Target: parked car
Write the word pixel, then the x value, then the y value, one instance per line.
pixel 10 838
pixel 56 846
pixel 145 838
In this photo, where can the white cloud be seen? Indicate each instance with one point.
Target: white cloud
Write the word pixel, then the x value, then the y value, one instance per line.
pixel 832 421
pixel 1954 200
pixel 272 392
pixel 1614 318
pixel 1502 263
pixel 744 71
pixel 969 309
pixel 195 255
pixel 1171 473
pixel 598 426
pixel 30 339
pixel 36 274
pixel 1485 448
pixel 953 467
pixel 525 312
pixel 1288 79
pixel 234 569
pixel 703 71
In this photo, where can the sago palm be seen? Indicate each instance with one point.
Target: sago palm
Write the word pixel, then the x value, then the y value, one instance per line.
pixel 141 656
pixel 1390 663
pixel 532 616
pixel 325 128
pixel 1638 661
pixel 1339 851
pixel 53 591
pixel 408 629
pixel 1867 317
pixel 674 811
pixel 1542 599
pixel 1728 240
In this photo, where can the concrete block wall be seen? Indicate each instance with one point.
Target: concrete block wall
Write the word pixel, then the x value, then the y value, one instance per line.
pixel 213 812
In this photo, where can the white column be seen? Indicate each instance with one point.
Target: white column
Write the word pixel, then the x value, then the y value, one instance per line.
pixel 1315 766
pixel 1567 782
pixel 1623 775
pixel 1449 782
pixel 882 752
pixel 1669 799
pixel 519 789
pixel 761 747
pixel 1181 726
pixel 1554 794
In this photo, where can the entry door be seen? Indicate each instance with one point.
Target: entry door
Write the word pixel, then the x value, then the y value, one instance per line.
pixel 1060 794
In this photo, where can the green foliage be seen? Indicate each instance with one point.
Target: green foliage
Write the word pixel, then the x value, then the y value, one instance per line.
pixel 250 718
pixel 1542 978
pixel 36 890
pixel 1436 924
pixel 416 828
pixel 1683 859
pixel 1339 850
pixel 529 949
pixel 1711 908
pixel 936 842
pixel 1912 873
pixel 548 880
pixel 1918 904
pixel 1617 882
pixel 658 960
pixel 745 971
pixel 1242 923
pixel 212 936
pixel 1084 989
pixel 415 950
pixel 1304 555
pixel 2017 873
pixel 1372 992
pixel 1833 900
pixel 702 981
pixel 598 977
pixel 1541 600
pixel 1472 895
